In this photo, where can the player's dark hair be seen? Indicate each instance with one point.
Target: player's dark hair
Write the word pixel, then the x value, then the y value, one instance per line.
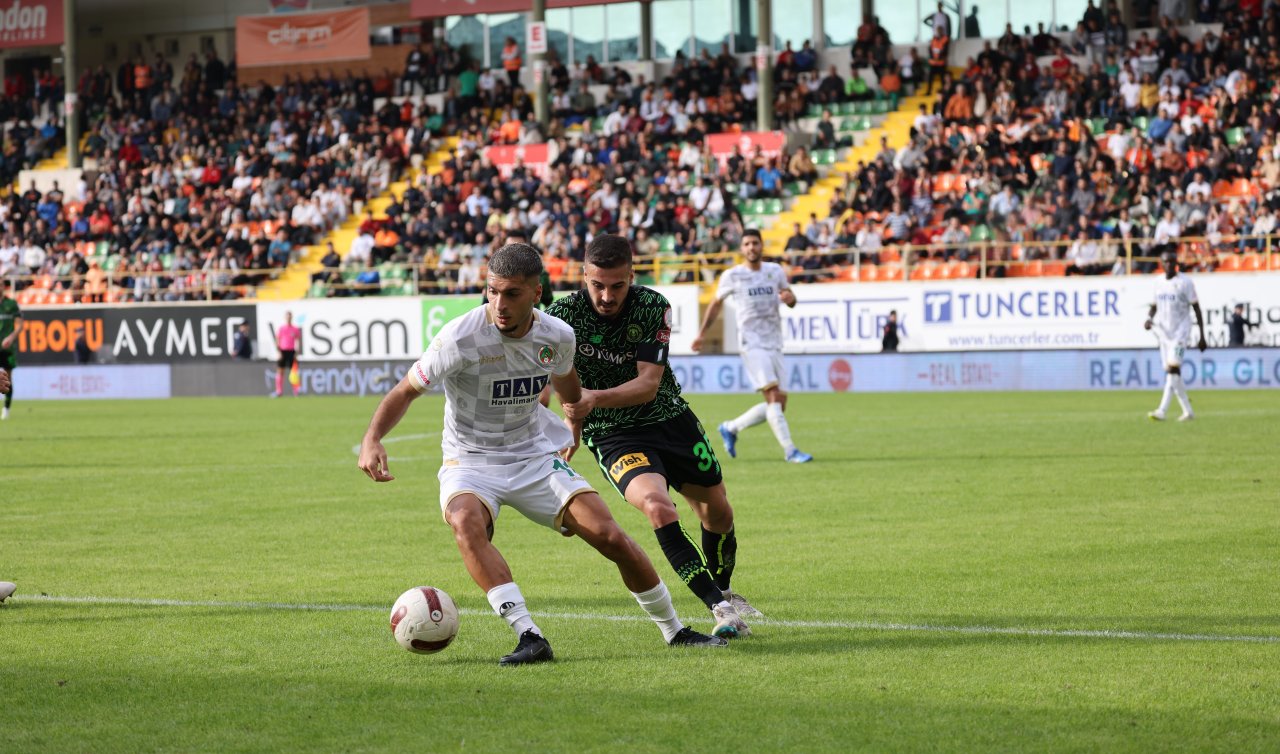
pixel 751 232
pixel 516 260
pixel 609 252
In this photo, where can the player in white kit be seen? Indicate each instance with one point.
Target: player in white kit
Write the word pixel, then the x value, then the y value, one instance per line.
pixel 1170 320
pixel 758 287
pixel 502 447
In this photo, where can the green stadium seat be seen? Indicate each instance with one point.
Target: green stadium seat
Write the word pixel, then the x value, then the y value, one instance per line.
pixel 1142 123
pixel 111 263
pixel 167 261
pixel 667 244
pixel 814 111
pixel 1098 126
pixel 102 248
pixel 318 290
pixel 758 207
pixel 824 156
pixel 773 206
pixel 1233 136
pixel 980 234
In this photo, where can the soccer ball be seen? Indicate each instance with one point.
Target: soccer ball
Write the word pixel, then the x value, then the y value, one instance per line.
pixel 424 620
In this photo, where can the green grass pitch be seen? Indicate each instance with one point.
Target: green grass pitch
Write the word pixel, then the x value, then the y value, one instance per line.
pixel 1016 572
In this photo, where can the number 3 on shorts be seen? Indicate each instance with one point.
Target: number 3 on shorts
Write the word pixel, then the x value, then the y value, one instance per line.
pixel 705 459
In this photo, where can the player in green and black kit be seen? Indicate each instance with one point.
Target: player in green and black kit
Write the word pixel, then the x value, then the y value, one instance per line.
pixel 642 432
pixel 10 326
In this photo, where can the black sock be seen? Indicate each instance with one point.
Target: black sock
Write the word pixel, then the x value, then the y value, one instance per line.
pixel 722 551
pixel 688 562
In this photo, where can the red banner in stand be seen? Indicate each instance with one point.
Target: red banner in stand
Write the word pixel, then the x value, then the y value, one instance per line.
pixel 534 157
pixel 771 144
pixel 440 8
pixel 287 38
pixel 30 23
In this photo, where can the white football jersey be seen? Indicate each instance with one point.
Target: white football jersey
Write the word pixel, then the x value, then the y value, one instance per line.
pixel 756 302
pixel 491 387
pixel 1174 297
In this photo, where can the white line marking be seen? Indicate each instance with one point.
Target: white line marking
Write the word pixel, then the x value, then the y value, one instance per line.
pixel 1066 633
pixel 355 449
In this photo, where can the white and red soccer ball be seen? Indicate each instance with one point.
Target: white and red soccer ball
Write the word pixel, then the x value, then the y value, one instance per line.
pixel 424 620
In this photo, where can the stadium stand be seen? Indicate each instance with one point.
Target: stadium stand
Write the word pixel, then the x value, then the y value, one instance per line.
pixel 1079 153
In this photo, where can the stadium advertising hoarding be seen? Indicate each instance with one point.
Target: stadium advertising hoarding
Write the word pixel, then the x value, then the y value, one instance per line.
pixel 71 382
pixel 441 8
pixel 249 378
pixel 286 39
pixel 346 329
pixel 131 334
pixel 30 23
pixel 1232 369
pixel 1015 314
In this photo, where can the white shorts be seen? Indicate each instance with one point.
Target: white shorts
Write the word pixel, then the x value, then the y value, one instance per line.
pixel 764 368
pixel 1171 350
pixel 540 488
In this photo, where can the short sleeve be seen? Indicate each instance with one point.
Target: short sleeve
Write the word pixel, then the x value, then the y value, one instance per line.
pixel 724 288
pixel 783 283
pixel 654 325
pixel 562 360
pixel 437 362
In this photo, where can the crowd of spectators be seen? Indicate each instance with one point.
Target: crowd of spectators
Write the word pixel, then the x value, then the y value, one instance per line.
pixel 1084 149
pixel 207 187
pixel 1066 147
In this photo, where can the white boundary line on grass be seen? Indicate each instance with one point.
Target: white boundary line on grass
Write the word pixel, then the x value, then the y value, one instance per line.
pixel 845 625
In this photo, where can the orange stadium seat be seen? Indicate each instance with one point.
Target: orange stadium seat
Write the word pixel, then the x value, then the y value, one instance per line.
pixel 869 273
pixel 1253 263
pixel 1275 261
pixel 890 255
pixel 892 272
pixel 1055 269
pixel 962 270
pixel 1229 262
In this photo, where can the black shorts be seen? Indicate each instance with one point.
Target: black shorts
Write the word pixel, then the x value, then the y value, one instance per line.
pixel 8 360
pixel 287 359
pixel 678 449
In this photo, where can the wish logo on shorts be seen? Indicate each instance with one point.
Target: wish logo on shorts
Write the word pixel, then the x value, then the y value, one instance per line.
pixel 516 391
pixel 626 463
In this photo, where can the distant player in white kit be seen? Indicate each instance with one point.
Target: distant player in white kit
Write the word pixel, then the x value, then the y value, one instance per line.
pixel 501 447
pixel 758 287
pixel 1171 322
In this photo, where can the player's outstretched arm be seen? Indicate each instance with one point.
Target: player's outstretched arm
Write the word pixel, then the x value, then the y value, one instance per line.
pixel 373 457
pixel 1151 315
pixel 569 388
pixel 709 318
pixel 1203 344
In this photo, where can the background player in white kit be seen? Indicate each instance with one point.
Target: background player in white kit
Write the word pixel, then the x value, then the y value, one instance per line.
pixel 758 288
pixel 1170 320
pixel 501 447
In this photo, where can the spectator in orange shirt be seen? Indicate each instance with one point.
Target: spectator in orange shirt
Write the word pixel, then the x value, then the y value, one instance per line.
pixel 509 132
pixel 511 61
pixel 960 106
pixel 384 243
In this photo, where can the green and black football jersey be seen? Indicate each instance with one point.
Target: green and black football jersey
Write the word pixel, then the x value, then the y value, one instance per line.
pixel 9 312
pixel 608 350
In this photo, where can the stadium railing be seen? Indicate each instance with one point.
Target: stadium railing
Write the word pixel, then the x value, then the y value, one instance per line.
pixel 902 262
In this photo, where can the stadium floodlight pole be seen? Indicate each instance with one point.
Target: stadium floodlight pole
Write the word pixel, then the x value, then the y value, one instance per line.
pixel 646 31
pixel 540 71
pixel 764 66
pixel 70 110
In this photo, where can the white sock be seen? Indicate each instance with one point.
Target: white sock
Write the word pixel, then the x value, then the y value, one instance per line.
pixel 657 603
pixel 751 417
pixel 1180 390
pixel 778 423
pixel 508 602
pixel 1168 394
